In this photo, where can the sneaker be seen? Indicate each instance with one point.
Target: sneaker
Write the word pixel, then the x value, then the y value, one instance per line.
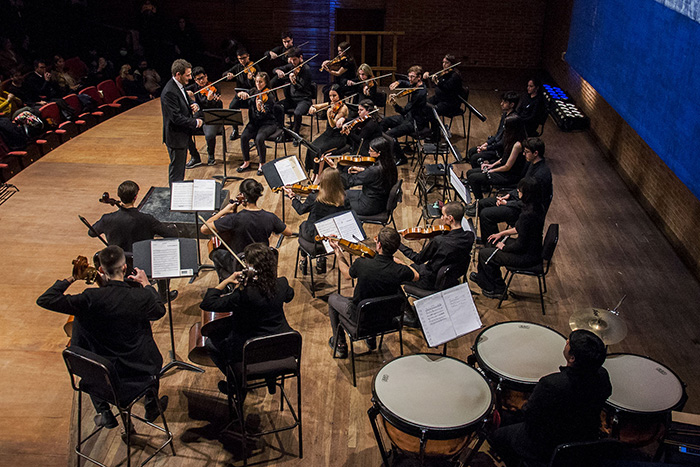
pixel 211 161
pixel 193 163
pixel 342 349
pixel 304 265
pixel 152 411
pixel 321 265
pixel 106 420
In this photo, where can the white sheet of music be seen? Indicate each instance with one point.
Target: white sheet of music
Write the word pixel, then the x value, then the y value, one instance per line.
pixel 165 259
pixel 447 315
pixel 290 171
pixel 181 196
pixel 204 195
pixel 341 226
pixel 459 187
pixel 327 228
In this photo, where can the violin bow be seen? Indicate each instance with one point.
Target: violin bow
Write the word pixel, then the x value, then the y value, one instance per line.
pixel 248 66
pixel 444 70
pixel 269 90
pixel 287 51
pixel 372 79
pixel 92 229
pixel 300 65
pixel 212 84
pixel 325 105
pixel 245 266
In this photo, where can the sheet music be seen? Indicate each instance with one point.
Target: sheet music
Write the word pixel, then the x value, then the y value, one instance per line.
pixel 290 171
pixel 204 195
pixel 181 196
pixel 342 226
pixel 447 315
pixel 165 259
pixel 327 228
pixel 459 187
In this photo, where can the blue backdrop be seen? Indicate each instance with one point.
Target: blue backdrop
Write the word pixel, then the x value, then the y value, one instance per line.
pixel 644 59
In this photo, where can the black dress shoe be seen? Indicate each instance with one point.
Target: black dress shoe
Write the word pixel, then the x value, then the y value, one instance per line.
pixel 321 265
pixel 260 172
pixel 492 294
pixel 401 161
pixel 411 321
pixel 341 351
pixel 106 420
pixel 470 210
pixel 223 387
pixel 152 411
pixel 234 135
pixel 371 343
pixel 173 295
pixel 193 163
pixel 242 169
pixel 474 277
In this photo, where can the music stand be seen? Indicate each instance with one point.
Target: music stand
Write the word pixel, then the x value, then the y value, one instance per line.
pixel 472 110
pixel 299 139
pixel 223 117
pixel 291 172
pixel 187 250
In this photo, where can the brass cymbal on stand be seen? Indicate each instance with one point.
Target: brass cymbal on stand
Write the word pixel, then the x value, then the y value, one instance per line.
pixel 606 324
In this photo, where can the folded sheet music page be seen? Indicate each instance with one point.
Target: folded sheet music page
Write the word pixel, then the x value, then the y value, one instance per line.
pixel 165 258
pixel 197 195
pixel 447 315
pixel 342 226
pixel 181 196
pixel 290 170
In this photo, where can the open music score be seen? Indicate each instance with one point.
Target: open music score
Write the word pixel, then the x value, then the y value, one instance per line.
pixel 459 187
pixel 165 259
pixel 447 315
pixel 343 225
pixel 197 195
pixel 290 170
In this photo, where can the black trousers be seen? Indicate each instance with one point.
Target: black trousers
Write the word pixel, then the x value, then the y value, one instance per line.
pixel 491 215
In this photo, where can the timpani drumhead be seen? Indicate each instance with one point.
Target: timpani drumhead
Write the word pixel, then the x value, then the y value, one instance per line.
pixel 520 351
pixel 641 385
pixel 432 391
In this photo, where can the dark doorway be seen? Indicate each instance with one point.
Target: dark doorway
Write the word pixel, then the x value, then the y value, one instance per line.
pixel 356 19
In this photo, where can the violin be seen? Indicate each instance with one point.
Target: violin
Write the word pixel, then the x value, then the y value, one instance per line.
pixel 299 189
pixel 297 68
pixel 354 248
pixel 402 93
pixel 444 71
pixel 215 242
pixel 358 161
pixel 205 90
pixel 347 127
pixel 420 233
pixel 107 200
pixel 82 271
pixel 334 61
pixel 248 69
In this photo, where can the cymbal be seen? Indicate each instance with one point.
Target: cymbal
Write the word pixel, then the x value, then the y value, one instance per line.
pixel 609 326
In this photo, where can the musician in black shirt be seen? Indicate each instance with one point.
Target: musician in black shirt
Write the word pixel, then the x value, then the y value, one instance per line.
pixel 244 74
pixel 447 88
pixel 492 149
pixel 298 96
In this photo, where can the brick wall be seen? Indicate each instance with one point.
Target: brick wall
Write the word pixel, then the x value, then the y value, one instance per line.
pixel 670 204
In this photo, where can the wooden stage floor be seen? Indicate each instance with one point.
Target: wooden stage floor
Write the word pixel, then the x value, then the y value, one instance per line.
pixel 608 247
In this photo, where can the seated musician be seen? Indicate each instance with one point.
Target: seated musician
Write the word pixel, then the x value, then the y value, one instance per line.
pixel 492 149
pixel 523 251
pixel 244 74
pixel 414 111
pixel 206 99
pixel 113 321
pixel 277 57
pixel 376 277
pixel 564 407
pixel 507 170
pixel 507 208
pixel 342 69
pixel 448 87
pixel 365 128
pixel 261 120
pixel 366 90
pixel 329 200
pixel 532 107
pixel 376 180
pixel 331 139
pixel 239 229
pixel 298 96
pixel 256 306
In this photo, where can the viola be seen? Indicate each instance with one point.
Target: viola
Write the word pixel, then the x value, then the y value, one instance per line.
pixel 358 161
pixel 82 271
pixel 354 248
pixel 299 189
pixel 420 233
pixel 107 200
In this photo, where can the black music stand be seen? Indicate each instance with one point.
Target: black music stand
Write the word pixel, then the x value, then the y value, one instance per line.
pixel 187 248
pixel 274 180
pixel 472 110
pixel 302 142
pixel 223 117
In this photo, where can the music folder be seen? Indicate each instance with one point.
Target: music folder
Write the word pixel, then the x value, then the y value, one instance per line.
pixel 343 225
pixel 283 171
pixel 447 315
pixel 166 258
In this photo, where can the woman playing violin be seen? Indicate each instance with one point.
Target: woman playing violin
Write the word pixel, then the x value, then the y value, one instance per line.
pixel 366 90
pixel 448 87
pixel 257 307
pixel 331 138
pixel 261 120
pixel 342 69
pixel 329 200
pixel 376 180
pixel 364 128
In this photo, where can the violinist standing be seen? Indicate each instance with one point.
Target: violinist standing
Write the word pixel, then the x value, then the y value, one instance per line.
pixel 376 277
pixel 178 120
pixel 331 138
pixel 261 120
pixel 244 73
pixel 299 95
pixel 415 110
pixel 256 306
pixel 205 98
pixel 450 248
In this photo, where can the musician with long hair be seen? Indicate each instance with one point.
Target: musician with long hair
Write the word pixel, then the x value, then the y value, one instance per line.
pixel 366 90
pixel 250 224
pixel 525 250
pixel 376 180
pixel 329 200
pixel 366 129
pixel 256 303
pixel 261 120
pixel 448 87
pixel 331 139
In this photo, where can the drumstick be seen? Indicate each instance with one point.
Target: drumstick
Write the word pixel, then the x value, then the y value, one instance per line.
pixel 495 251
